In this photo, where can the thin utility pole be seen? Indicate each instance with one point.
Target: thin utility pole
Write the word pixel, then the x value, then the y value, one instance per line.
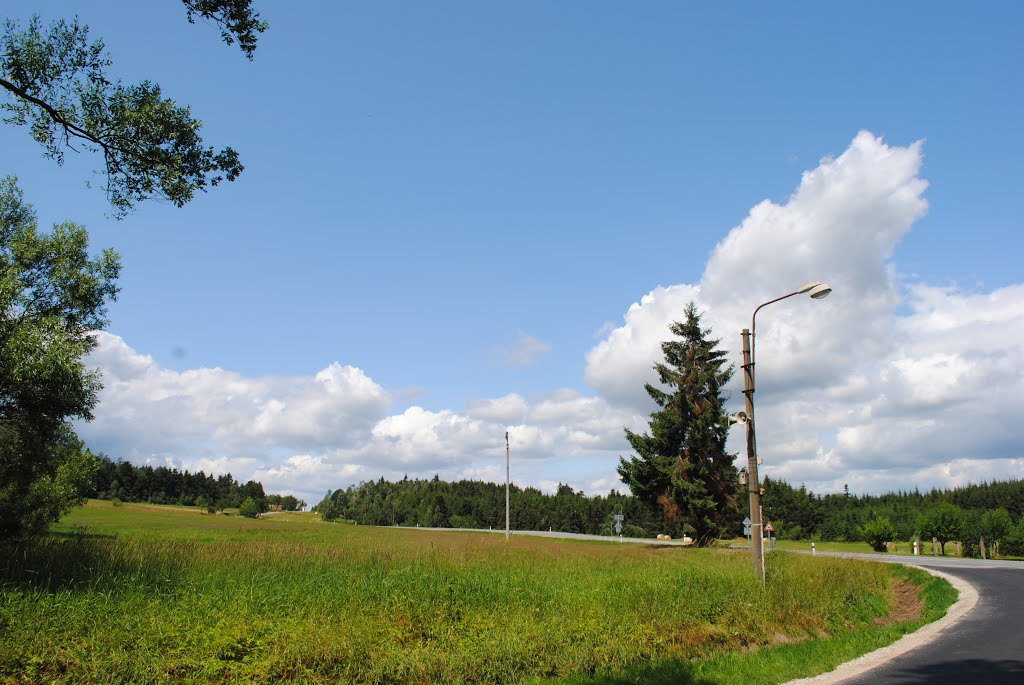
pixel 754 484
pixel 507 479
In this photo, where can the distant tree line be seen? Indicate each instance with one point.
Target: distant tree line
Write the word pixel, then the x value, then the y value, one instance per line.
pixel 968 514
pixel 123 481
pixel 476 504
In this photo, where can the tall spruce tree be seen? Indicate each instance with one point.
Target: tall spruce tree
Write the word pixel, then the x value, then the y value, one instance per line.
pixel 681 465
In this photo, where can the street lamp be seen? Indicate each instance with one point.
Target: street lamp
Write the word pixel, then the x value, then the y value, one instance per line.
pixel 817 290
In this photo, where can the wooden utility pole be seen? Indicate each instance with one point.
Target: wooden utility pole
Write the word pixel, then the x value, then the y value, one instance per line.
pixel 507 481
pixel 753 482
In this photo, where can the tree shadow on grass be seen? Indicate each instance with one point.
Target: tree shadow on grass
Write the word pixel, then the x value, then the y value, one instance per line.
pixel 987 671
pixel 72 560
pixel 81 533
pixel 661 673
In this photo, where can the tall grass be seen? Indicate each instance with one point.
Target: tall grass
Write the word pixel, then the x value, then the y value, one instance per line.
pixel 162 596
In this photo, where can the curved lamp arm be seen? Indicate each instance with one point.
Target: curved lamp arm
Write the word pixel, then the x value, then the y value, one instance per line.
pixel 816 289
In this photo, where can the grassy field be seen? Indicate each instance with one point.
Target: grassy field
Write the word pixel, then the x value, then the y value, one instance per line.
pixel 138 594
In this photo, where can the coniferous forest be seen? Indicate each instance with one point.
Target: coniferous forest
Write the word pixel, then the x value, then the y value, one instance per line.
pixel 796 513
pixel 476 504
pixel 162 485
pixel 987 510
pixel 990 511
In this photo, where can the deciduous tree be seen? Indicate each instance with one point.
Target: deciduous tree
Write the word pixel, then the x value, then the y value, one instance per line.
pixel 250 508
pixel 944 522
pixel 996 526
pixel 52 298
pixel 56 82
pixel 877 532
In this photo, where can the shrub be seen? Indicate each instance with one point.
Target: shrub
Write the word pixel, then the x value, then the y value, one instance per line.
pixel 791 532
pixel 631 531
pixel 877 532
pixel 1014 545
pixel 457 521
pixel 250 508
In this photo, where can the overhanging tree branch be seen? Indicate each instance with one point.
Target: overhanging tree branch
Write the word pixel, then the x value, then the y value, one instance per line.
pixel 58 118
pixel 235 18
pixel 55 83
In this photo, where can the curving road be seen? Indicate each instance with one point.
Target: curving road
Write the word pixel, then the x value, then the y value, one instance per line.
pixel 984 647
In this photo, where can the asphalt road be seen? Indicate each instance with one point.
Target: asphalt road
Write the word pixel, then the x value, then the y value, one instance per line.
pixel 984 647
pixel 556 534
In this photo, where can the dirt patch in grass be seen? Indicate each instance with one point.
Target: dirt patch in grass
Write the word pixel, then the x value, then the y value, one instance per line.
pixel 907 605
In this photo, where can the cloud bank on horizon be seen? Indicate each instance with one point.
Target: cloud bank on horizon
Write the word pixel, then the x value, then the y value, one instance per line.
pixel 888 383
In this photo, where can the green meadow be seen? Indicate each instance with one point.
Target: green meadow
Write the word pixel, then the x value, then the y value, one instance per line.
pixel 147 594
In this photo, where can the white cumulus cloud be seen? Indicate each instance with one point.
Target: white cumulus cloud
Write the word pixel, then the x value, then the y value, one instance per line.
pixel 889 382
pixel 306 434
pixel 886 375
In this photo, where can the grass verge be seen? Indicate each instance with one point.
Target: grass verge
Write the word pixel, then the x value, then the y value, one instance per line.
pixel 784 662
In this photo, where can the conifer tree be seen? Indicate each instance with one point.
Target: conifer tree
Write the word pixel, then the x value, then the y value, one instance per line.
pixel 681 465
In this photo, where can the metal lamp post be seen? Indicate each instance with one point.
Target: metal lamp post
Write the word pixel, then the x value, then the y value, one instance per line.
pixel 816 290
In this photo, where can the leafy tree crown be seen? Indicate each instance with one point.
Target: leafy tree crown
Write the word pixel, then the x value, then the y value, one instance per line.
pixel 55 81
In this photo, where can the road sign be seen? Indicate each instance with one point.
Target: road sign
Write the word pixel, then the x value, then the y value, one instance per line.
pixel 747 522
pixel 769 528
pixel 618 522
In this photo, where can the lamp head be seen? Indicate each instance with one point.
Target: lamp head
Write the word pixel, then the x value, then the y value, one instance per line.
pixel 806 287
pixel 820 291
pixel 815 289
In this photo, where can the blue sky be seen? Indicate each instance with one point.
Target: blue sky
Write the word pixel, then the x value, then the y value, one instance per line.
pixel 457 203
